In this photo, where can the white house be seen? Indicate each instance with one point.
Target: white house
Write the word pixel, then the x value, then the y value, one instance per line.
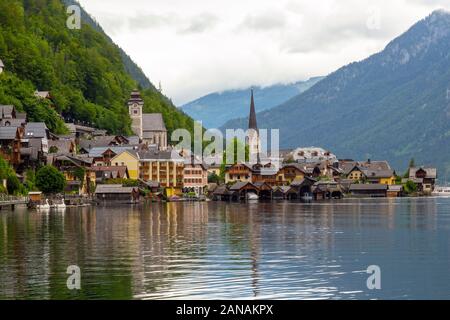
pixel 313 154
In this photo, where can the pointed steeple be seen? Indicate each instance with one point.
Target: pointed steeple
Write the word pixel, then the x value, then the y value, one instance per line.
pixel 252 124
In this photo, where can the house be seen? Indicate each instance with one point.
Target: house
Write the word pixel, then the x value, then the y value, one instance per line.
pixel 165 167
pixel 116 193
pixel 129 159
pixel 104 173
pixel 35 141
pixel 42 94
pixel 312 155
pixel 301 187
pixel 290 172
pixel 149 127
pixel 221 193
pixel 378 172
pixel 103 155
pixel 80 179
pixel 62 146
pixel 102 142
pixel 424 178
pixel 369 190
pixel 195 177
pixel 7 112
pixel 322 190
pixel 264 190
pixel 240 189
pixel 280 192
pixel 214 169
pixel 10 144
pixel 240 172
pixel 395 191
pixel 12 122
pixel 2 66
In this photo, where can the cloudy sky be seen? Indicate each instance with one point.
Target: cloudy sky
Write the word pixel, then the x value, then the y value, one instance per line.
pixel 195 47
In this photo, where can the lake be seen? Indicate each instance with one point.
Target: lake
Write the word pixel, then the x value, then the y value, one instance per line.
pixel 217 250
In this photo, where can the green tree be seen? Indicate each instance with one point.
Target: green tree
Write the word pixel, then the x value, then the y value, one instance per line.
pixel 214 178
pixel 50 180
pixel 410 187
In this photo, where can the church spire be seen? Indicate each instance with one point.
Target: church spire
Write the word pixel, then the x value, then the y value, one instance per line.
pixel 252 117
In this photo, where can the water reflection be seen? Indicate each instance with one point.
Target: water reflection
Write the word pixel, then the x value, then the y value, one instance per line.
pixel 280 250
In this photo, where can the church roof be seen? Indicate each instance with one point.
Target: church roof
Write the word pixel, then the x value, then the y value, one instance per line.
pixel 153 122
pixel 252 124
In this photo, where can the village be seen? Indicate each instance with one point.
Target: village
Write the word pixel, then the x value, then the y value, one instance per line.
pixel 110 168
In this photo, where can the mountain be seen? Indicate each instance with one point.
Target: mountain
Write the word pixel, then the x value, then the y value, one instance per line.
pixel 90 78
pixel 395 105
pixel 130 66
pixel 217 108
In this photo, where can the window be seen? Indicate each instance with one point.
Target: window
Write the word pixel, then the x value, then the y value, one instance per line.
pixel 135 111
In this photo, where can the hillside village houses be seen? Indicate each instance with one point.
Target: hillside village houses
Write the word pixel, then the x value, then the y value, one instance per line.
pixel 89 157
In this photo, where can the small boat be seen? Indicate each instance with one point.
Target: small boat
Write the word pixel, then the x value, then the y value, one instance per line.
pixel 307 197
pixel 45 206
pixel 252 196
pixel 441 191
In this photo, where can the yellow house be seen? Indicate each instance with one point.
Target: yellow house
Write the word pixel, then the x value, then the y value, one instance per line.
pixel 130 160
pixel 380 176
pixel 355 174
pixel 389 180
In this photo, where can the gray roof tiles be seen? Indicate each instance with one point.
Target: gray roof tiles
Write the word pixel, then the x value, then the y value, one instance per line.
pixel 8 133
pixel 153 122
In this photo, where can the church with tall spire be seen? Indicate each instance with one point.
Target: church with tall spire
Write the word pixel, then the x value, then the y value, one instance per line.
pixel 253 133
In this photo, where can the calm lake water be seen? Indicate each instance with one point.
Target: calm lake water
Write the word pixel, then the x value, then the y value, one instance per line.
pixel 219 250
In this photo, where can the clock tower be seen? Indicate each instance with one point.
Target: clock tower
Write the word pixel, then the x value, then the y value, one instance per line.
pixel 135 105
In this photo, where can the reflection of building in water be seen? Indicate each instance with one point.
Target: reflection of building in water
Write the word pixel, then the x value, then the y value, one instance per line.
pixel 173 237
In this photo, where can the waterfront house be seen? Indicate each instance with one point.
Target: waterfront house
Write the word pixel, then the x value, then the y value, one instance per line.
pixel 326 190
pixel 369 190
pixel 395 191
pixel 80 179
pixel 129 159
pixel 240 172
pixel 280 192
pixel 301 187
pixel 165 167
pixel 116 193
pixel 221 193
pixel 195 177
pixel 290 172
pixel 264 190
pixel 378 172
pixel 241 189
pixel 424 178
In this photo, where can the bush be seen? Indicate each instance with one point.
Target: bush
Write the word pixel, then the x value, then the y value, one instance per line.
pixel 50 180
pixel 410 187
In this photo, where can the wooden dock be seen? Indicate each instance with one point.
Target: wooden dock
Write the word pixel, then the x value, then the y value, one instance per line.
pixel 11 201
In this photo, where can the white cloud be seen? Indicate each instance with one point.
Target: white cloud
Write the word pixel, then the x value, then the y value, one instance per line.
pixel 199 46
